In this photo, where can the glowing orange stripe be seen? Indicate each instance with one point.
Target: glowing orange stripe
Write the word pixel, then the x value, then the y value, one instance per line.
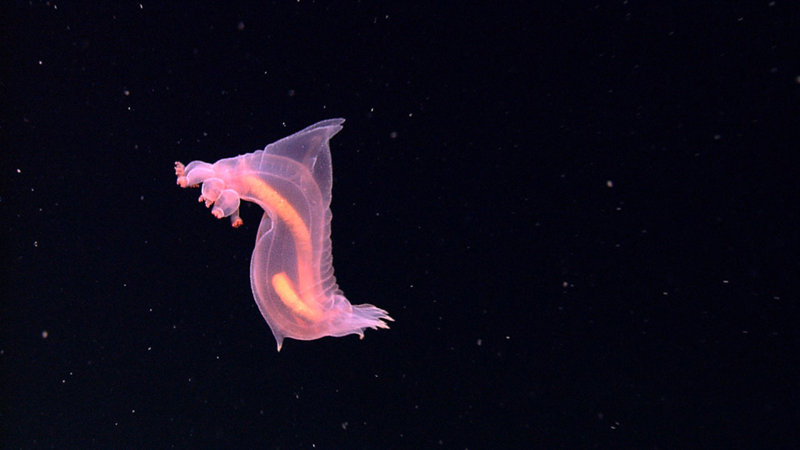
pixel 302 244
pixel 283 286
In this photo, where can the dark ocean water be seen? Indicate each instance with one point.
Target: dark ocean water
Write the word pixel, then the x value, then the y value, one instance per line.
pixel 579 216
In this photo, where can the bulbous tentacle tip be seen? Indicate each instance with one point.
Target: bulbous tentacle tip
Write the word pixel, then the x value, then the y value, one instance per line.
pixel 180 172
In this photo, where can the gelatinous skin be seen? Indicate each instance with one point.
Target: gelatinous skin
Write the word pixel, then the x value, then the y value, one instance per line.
pixel 291 271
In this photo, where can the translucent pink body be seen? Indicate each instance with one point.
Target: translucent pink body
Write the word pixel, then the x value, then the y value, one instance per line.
pixel 291 271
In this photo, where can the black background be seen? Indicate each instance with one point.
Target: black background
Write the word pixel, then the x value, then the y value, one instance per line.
pixel 579 215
